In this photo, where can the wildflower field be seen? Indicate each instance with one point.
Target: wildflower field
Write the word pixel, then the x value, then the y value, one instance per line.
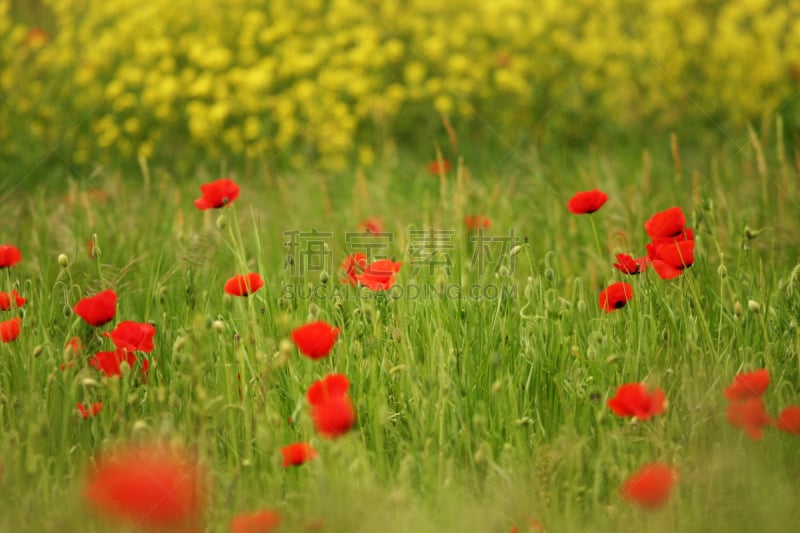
pixel 381 266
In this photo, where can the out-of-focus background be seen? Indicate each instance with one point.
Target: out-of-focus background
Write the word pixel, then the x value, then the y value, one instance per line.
pixel 333 83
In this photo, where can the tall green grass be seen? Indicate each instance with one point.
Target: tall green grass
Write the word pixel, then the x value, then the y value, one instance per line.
pixel 474 414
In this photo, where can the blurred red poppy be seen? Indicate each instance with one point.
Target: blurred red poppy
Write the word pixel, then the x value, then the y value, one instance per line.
pixel 217 194
pixel 330 385
pixel 331 408
pixel 439 167
pixel 379 275
pixel 628 265
pixel 665 224
pixel 98 309
pixel 109 362
pixel 315 339
pixel 297 454
pixel 244 284
pixel 750 416
pixel 476 222
pixel 9 329
pixel 371 225
pixel 9 255
pixel 147 487
pixel 256 522
pixel 87 410
pixel 615 296
pixel 586 202
pixel 748 385
pixel 352 266
pixel 334 416
pixel 73 346
pixel 633 399
pixel 7 301
pixel 789 420
pixel 650 486
pixel 133 336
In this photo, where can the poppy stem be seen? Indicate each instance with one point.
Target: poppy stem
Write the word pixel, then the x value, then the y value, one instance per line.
pixel 596 238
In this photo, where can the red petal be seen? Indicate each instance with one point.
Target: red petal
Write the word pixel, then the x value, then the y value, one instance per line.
pixel 789 420
pixel 315 339
pixel 331 385
pixel 256 522
pixel 748 385
pixel 650 486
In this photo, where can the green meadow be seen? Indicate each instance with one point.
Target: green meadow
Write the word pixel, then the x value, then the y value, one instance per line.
pixel 486 368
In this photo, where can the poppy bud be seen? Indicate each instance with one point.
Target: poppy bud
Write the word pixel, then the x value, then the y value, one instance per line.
pixel 722 271
pixel 480 456
pixel 221 222
pixel 515 250
pixel 581 306
pixel 38 351
pixel 63 260
pixel 218 326
pixel 67 310
pixel 753 306
pixel 285 346
pixel 737 308
pixel 550 274
pixel 503 271
pixel 178 345
pixel 751 233
pixel 324 276
pixel 313 311
pixel 496 386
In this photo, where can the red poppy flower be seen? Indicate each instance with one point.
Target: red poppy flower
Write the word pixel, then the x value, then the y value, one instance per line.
pixel 748 385
pixel 650 486
pixel 371 225
pixel 257 522
pixel 333 417
pixel 9 300
pixel 476 222
pixel 667 223
pixel 315 339
pixel 750 416
pixel 244 284
pixel 89 410
pixel 331 385
pixel 789 420
pixel 9 255
pixel 353 265
pixel 669 260
pixel 628 265
pixel 331 408
pixel 380 275
pixel 98 309
pixel 437 168
pixel 633 399
pixel 297 454
pixel 9 329
pixel 109 362
pixel 615 296
pixel 133 336
pixel 217 194
pixel 584 203
pixel 150 488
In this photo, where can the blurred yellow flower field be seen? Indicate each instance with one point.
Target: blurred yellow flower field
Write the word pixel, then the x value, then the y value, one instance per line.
pixel 332 80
